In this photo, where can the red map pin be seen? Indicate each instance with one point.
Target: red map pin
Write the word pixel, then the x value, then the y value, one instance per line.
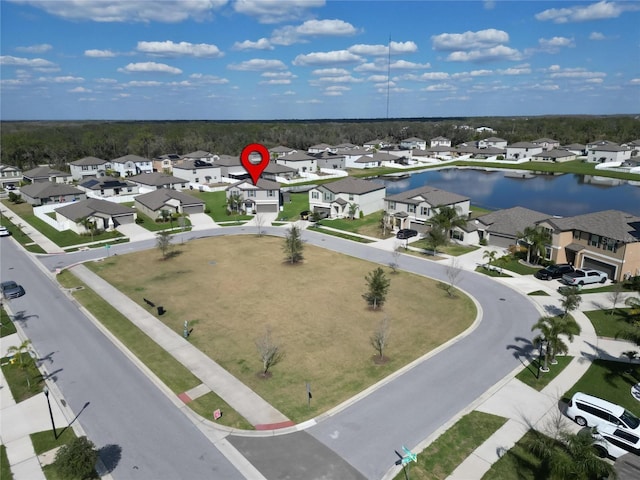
pixel 254 169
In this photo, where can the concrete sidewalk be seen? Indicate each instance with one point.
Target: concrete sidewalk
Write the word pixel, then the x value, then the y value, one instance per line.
pixel 37 237
pixel 244 400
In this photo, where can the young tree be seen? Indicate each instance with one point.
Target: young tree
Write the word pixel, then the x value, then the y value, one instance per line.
pixel 614 296
pixel 293 245
pixel 24 347
pixel 163 242
pixel 89 225
pixel 491 256
pixel 436 237
pixel 270 351
pixel 259 221
pixel 453 273
pixel 378 287
pixel 551 329
pixel 165 215
pixel 234 202
pixel 77 459
pixel 395 258
pixel 380 337
pixel 384 223
pixel 353 209
pixel 571 299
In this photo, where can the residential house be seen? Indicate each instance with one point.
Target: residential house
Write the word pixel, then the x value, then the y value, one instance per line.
pixel 521 150
pixel 599 143
pixel 261 198
pixel 489 153
pixel 503 227
pixel 608 153
pixel 231 167
pixel 635 147
pixel 414 208
pixel 576 148
pixel 301 161
pixel 10 176
pixel 153 203
pixel 130 165
pixel 547 143
pixel 42 193
pixel 106 215
pixel 321 147
pixel 200 155
pixel 485 130
pixel 155 180
pixel 351 156
pixel 347 196
pixel 165 163
pixel 108 187
pixel 495 142
pixel 376 144
pixel 608 241
pixel 345 146
pixel 198 171
pixel 556 155
pixel 330 160
pixel 280 151
pixel 413 142
pixel 88 167
pixel 273 170
pixel 440 142
pixel 46 174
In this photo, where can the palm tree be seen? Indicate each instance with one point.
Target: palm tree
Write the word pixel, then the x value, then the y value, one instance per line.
pixel 19 349
pixel 542 339
pixel 551 330
pixel 490 255
pixel 536 238
pixel 234 200
pixel 353 209
pixel 447 219
pixel 89 224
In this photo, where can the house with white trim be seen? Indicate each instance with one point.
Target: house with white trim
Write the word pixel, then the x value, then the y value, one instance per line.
pixel 335 199
pixel 440 142
pixel 413 142
pixel 547 143
pixel 521 150
pixel 130 165
pixel 148 182
pixel 264 197
pixel 301 161
pixel 556 155
pixel 198 171
pixel 496 142
pixel 608 153
pixel 88 167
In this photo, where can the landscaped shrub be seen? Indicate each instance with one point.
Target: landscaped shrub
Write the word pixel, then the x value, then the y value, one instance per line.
pixel 483 242
pixel 77 459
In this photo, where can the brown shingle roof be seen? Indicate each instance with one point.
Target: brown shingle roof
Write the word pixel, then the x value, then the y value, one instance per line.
pixel 614 224
pixel 510 221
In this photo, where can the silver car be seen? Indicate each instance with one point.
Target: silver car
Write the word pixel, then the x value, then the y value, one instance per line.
pixel 11 289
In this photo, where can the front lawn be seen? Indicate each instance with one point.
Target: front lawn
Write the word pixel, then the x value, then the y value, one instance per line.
pixel 45 441
pixel 23 377
pixel 5 470
pixel 299 202
pixel 314 310
pixel 518 463
pixel 508 262
pixel 216 206
pixel 7 327
pixel 452 249
pixel 368 225
pixel 492 273
pixel 153 226
pixel 529 375
pixel 606 324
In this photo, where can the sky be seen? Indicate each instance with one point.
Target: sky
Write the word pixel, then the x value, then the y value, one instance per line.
pixel 312 59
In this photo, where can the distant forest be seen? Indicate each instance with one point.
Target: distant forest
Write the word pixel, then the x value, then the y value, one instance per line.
pixel 28 144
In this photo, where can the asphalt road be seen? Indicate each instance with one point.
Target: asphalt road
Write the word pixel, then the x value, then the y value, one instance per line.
pixel 405 411
pixel 146 436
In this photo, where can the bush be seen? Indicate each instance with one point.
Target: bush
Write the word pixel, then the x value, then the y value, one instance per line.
pixel 77 459
pixel 483 242
pixel 633 283
pixel 139 220
pixel 207 210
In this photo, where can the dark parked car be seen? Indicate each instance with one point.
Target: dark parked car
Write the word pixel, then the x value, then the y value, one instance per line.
pixel 406 233
pixel 554 271
pixel 11 289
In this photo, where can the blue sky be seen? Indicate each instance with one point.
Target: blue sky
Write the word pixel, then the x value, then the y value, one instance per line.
pixel 306 59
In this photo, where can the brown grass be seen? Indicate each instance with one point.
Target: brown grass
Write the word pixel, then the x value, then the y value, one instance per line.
pixel 231 288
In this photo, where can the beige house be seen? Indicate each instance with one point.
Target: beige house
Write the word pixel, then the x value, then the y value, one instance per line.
pixel 608 241
pixel 261 198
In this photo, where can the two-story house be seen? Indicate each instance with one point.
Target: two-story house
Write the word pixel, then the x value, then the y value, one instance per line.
pixel 280 151
pixel 231 167
pixel 496 142
pixel 10 176
pixel 376 144
pixel 264 197
pixel 130 165
pixel 608 241
pixel 330 160
pixel 347 197
pixel 321 147
pixel 198 172
pixel 608 153
pixel 352 155
pixel 88 167
pixel 413 142
pixel 440 142
pixel 165 163
pixel 301 161
pixel 520 150
pixel 547 143
pixel 200 155
pixel 414 208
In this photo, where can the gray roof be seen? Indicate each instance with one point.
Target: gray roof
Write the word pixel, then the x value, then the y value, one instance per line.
pixel 545 140
pixel 88 161
pixel 281 149
pixel 367 159
pixel 440 139
pixel 575 146
pixel 93 206
pixel 130 158
pixel 46 171
pixel 555 153
pixel 433 196
pixel 614 224
pixel 490 151
pixel 157 179
pixel 412 139
pixel 353 151
pixel 510 221
pixel 357 186
pixel 524 145
pixel 436 149
pixel 262 184
pixel 346 145
pixel 297 157
pixel 9 168
pixel 276 168
pixel 228 161
pixel 326 154
pixel 105 182
pixel 494 139
pixel 49 189
pixel 191 165
pixel 321 146
pixel 199 154
pixel 159 198
pixel 609 148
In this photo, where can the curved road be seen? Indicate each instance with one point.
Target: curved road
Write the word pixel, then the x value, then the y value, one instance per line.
pixel 366 433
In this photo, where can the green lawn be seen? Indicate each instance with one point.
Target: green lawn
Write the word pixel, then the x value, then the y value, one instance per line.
pixel 216 206
pixel 20 236
pixel 343 235
pixel 529 375
pixel 45 441
pixel 518 463
pixel 440 459
pixel 368 225
pixel 5 470
pixel 492 273
pixel 508 262
pixel 452 249
pixel 291 210
pixel 7 327
pixel 24 378
pixel 606 324
pixel 538 293
pixel 153 226
pixel 206 404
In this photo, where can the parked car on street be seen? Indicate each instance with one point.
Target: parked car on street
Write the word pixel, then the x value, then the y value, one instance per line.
pixel 406 233
pixel 11 289
pixel 4 231
pixel 584 276
pixel 554 271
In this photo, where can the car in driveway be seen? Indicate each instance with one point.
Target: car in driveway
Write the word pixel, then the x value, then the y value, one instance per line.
pixel 405 233
pixel 11 289
pixel 554 271
pixel 584 276
pixel 613 442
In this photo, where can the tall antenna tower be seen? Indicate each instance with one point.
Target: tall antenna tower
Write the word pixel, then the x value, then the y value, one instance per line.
pixel 388 73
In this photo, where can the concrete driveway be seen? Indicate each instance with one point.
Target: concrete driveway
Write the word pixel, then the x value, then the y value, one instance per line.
pixel 135 232
pixel 201 221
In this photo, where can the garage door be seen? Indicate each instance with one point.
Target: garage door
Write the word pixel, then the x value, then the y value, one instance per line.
pixel 123 220
pixel 193 209
pixel 266 208
pixel 500 240
pixel 607 268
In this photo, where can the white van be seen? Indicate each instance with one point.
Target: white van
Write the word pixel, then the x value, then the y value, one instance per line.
pixel 614 442
pixel 590 411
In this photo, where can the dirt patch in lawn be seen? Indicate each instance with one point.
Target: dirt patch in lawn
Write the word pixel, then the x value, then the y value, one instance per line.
pixel 230 289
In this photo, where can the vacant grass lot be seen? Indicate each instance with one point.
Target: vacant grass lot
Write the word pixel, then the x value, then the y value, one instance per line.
pixel 231 289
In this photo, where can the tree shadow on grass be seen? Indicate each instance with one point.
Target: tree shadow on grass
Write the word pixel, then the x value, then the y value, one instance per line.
pixel 619 371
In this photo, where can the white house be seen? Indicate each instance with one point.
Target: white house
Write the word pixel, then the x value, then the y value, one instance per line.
pixel 280 151
pixel 321 147
pixel 261 198
pixel 521 150
pixel 200 155
pixel 547 143
pixel 300 161
pixel 148 182
pixel 375 144
pixel 608 153
pixel 440 142
pixel 557 155
pixel 131 165
pixel 88 167
pixel 108 187
pixel 492 142
pixel 231 167
pixel 198 171
pixel 351 156
pixel 413 142
pixel 347 196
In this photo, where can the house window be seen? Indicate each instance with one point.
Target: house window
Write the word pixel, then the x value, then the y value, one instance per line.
pixel 197 180
pixel 594 240
pixel 411 208
pixel 576 234
pixel 129 189
pixel 251 193
pixel 85 167
pixel 458 235
pixel 425 211
pixel 315 195
pixel 351 197
pixel 547 253
pixel 271 193
pixel 194 171
pixel 392 205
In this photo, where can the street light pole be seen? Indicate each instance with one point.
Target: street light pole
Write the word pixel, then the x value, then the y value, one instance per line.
pixel 46 394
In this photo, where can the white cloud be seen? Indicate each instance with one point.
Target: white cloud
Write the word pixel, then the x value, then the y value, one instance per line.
pixel 489 5
pixel 440 87
pixel 337 57
pixel 150 67
pixel 278 75
pixel 208 79
pixel 594 80
pixel 596 36
pixel 41 48
pixel 517 70
pixel 342 79
pixel 404 65
pixel 379 65
pixel 149 83
pixel 330 71
pixel 276 81
pixel 262 44
pixel 577 73
pixel 553 45
pixel 87 99
pixel 276 11
pixel 335 90
pixel 79 90
pixel 258 64
pixel 183 83
pixel 482 39
pixel 311 101
pixel 289 34
pixel 25 62
pixel 172 49
pixel 170 11
pixel 106 80
pixel 593 11
pixel 497 53
pixel 377 78
pixel 635 81
pixel 383 50
pixel 545 87
pixel 99 53
pixel 434 76
pixel 289 92
pixel 473 73
pixel 61 79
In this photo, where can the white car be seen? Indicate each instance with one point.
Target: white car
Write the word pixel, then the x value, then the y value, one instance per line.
pixel 610 441
pixel 4 232
pixel 584 276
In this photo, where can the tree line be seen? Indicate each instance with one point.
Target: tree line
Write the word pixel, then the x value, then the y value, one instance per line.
pixel 28 144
